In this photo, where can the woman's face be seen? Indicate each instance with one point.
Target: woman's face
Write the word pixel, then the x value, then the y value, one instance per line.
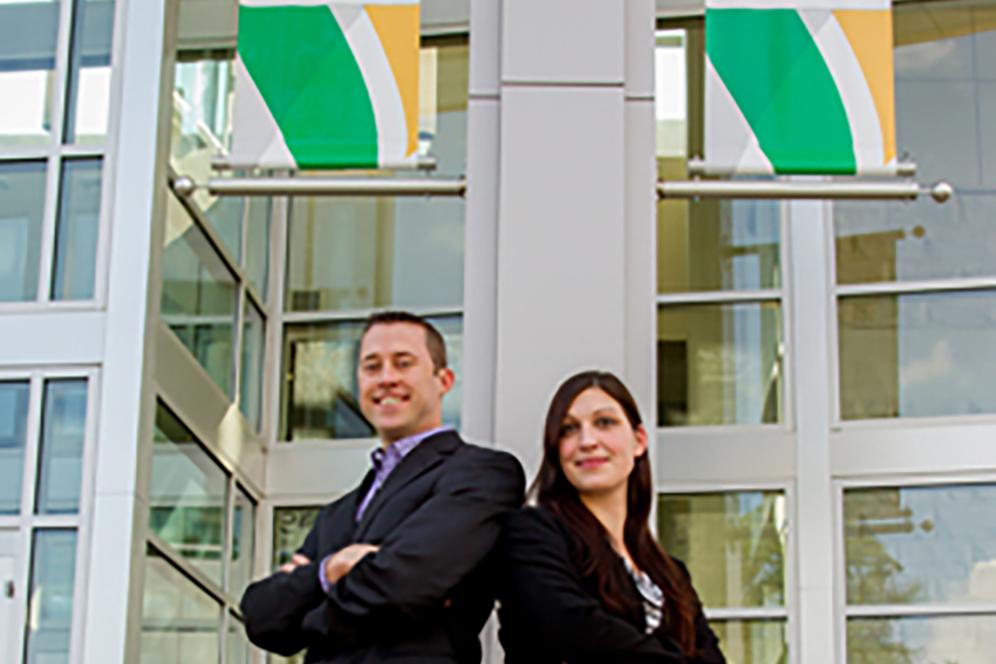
pixel 598 446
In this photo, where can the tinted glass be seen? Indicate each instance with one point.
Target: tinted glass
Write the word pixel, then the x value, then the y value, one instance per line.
pixel 13 432
pixel 719 364
pixel 961 640
pixel 28 32
pixel 290 526
pixel 90 71
pixel 926 544
pixel 752 641
pixel 253 345
pixel 732 543
pixel 22 204
pixel 917 355
pixel 187 496
pixel 76 230
pixel 53 572
pixel 63 434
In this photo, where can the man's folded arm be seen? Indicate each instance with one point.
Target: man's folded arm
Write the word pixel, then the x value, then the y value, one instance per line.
pixel 437 546
pixel 274 608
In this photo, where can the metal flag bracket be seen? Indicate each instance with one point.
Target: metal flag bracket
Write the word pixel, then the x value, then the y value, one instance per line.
pixel 903 187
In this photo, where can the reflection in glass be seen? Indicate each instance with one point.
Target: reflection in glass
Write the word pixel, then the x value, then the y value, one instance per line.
pixel 63 434
pixel 89 71
pixel 955 639
pixel 359 253
pixel 237 645
pixel 717 245
pixel 13 423
pixel 187 496
pixel 719 364
pixel 732 543
pixel 917 355
pixel 320 392
pixel 243 541
pixel 76 230
pixel 28 30
pixel 22 204
pixel 180 623
pixel 752 641
pixel 199 296
pixel 943 61
pixel 257 258
pixel 290 526
pixel 53 571
pixel 253 341
pixel 923 544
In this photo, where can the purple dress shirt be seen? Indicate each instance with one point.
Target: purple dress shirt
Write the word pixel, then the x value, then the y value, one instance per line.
pixel 384 461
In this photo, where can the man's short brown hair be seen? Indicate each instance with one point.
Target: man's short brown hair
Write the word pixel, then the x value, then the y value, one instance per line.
pixel 434 341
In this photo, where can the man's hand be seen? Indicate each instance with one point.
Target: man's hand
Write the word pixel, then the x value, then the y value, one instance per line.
pixel 297 560
pixel 339 564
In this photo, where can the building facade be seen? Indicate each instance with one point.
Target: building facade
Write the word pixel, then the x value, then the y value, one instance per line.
pixel 176 372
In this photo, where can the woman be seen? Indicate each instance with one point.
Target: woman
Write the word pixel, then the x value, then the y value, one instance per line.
pixel 582 578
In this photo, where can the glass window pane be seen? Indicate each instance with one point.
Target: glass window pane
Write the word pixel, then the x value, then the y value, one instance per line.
pixel 22 204
pixel 924 544
pixel 63 434
pixel 76 230
pixel 359 253
pixel 180 622
pixel 961 639
pixel 319 391
pixel 28 32
pixel 90 71
pixel 50 611
pixel 199 296
pixel 717 245
pixel 732 543
pixel 257 258
pixel 290 526
pixel 719 364
pixel 243 543
pixel 187 496
pixel 237 646
pixel 253 344
pixel 917 355
pixel 13 433
pixel 753 641
pixel 941 71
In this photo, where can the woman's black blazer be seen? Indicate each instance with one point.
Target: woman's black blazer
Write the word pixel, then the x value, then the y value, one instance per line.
pixel 549 614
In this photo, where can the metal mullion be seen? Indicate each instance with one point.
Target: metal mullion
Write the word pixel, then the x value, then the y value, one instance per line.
pixel 46 257
pixel 272 358
pixel 88 151
pixel 359 315
pixel 840 572
pixel 720 297
pixel 786 304
pixel 833 345
pixel 24 154
pixel 747 613
pixel 920 610
pixel 223 634
pixel 64 38
pixel 32 446
pixel 920 286
pixel 84 514
pixel 237 342
pixel 228 530
pixel 56 521
pixel 255 299
pixel 194 575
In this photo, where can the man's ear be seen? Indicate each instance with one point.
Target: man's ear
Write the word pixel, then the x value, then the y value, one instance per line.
pixel 641 440
pixel 446 379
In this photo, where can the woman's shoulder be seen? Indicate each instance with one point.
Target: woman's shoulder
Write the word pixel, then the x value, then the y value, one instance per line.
pixel 533 522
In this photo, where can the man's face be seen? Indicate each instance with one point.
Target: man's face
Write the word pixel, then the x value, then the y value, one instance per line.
pixel 400 392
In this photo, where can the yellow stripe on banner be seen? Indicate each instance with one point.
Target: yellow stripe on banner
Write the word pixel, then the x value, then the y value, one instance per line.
pixel 870 36
pixel 397 27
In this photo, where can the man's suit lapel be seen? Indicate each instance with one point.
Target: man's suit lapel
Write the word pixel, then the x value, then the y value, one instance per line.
pixel 427 454
pixel 341 526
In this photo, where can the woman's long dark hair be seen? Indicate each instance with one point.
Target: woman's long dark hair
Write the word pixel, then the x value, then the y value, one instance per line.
pixel 592 551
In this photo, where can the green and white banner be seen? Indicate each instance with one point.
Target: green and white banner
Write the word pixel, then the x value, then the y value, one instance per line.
pixel 325 84
pixel 799 87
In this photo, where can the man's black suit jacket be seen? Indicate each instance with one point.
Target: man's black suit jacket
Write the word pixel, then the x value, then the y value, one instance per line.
pixel 426 594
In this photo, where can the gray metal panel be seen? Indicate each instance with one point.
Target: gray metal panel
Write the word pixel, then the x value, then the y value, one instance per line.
pixel 562 41
pixel 561 250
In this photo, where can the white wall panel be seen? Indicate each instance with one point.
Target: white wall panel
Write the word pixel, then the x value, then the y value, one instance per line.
pixel 562 41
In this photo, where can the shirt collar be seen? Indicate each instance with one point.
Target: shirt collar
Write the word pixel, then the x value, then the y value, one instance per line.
pixel 399 449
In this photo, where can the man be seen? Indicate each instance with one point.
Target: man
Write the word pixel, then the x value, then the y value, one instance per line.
pixel 399 568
